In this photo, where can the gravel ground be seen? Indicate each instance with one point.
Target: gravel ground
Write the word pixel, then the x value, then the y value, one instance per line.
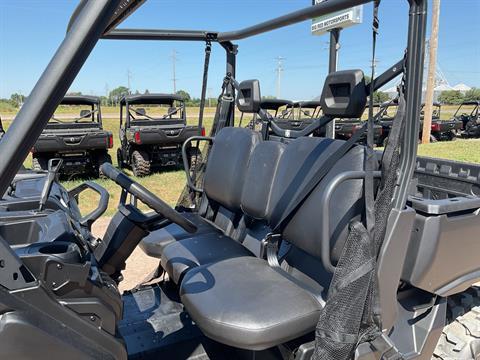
pixel 139 265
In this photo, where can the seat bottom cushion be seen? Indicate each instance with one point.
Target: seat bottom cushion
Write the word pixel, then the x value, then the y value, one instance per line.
pixel 180 256
pixel 245 303
pixel 154 243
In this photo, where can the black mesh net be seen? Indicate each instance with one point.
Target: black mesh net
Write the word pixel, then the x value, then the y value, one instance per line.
pixel 340 322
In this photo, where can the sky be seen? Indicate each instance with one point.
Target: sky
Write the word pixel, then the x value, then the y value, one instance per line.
pixel 31 31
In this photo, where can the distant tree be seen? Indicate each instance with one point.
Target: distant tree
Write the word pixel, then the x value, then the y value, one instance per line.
pixel 146 92
pixel 116 94
pixel 74 93
pixel 380 97
pixel 137 92
pixel 451 97
pixel 104 101
pixel 17 99
pixel 268 97
pixel 185 95
pixel 472 95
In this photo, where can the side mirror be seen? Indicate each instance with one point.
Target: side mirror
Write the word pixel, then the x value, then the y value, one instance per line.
pixel 249 97
pixel 344 94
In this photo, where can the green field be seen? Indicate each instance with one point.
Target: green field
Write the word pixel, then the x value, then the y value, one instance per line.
pixel 169 184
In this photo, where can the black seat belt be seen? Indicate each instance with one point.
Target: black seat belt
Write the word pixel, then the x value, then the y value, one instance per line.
pixel 208 50
pixel 224 105
pixel 291 208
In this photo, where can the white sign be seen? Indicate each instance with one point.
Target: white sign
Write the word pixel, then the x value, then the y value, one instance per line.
pixel 337 20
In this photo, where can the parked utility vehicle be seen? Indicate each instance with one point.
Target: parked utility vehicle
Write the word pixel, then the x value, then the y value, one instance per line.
pixel 468 113
pixel 311 248
pixel 153 128
pixel 79 140
pixel 441 130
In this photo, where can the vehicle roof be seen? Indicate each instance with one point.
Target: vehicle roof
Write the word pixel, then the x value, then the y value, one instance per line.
pixel 471 102
pixel 80 100
pixel 151 99
pixel 274 104
pixel 308 104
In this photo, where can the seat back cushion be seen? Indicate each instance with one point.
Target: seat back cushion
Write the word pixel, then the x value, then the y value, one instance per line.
pixel 300 160
pixel 261 170
pixel 227 163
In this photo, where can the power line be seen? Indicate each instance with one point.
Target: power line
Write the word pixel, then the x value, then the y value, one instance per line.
pixel 279 70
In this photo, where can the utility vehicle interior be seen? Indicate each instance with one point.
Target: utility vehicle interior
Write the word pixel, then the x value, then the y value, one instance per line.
pixel 279 109
pixel 80 141
pixel 302 114
pixel 153 128
pixel 292 247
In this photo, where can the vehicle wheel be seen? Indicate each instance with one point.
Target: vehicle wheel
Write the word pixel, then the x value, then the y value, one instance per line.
pixel 39 164
pixel 195 158
pixel 101 159
pixel 460 339
pixel 140 163
pixel 451 136
pixel 120 159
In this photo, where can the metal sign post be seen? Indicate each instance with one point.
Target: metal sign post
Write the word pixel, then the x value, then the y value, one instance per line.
pixel 334 23
pixel 332 66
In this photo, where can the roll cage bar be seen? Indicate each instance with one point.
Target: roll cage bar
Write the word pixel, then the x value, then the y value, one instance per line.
pixel 96 19
pixel 150 99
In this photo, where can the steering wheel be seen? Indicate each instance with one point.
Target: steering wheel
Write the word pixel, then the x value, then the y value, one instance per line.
pixel 147 197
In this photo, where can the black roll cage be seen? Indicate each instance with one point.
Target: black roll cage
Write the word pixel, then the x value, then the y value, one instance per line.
pixel 96 19
pixel 150 99
pixel 86 100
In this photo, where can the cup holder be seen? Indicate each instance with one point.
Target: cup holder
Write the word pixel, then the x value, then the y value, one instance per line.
pixel 54 249
pixel 64 251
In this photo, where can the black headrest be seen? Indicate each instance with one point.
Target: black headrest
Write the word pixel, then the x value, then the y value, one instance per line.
pixel 344 94
pixel 85 113
pixel 140 111
pixel 249 97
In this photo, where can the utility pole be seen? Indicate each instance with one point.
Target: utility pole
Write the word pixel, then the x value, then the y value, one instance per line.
pixel 174 78
pixel 209 92
pixel 279 71
pixel 432 65
pixel 332 67
pixel 107 93
pixel 129 78
pixel 373 66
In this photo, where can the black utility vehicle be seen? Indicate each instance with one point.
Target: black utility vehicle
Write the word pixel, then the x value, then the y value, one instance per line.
pixel 153 128
pixel 311 248
pixel 468 114
pixel 80 141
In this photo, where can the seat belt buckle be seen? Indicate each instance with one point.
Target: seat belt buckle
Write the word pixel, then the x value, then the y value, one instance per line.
pixel 269 244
